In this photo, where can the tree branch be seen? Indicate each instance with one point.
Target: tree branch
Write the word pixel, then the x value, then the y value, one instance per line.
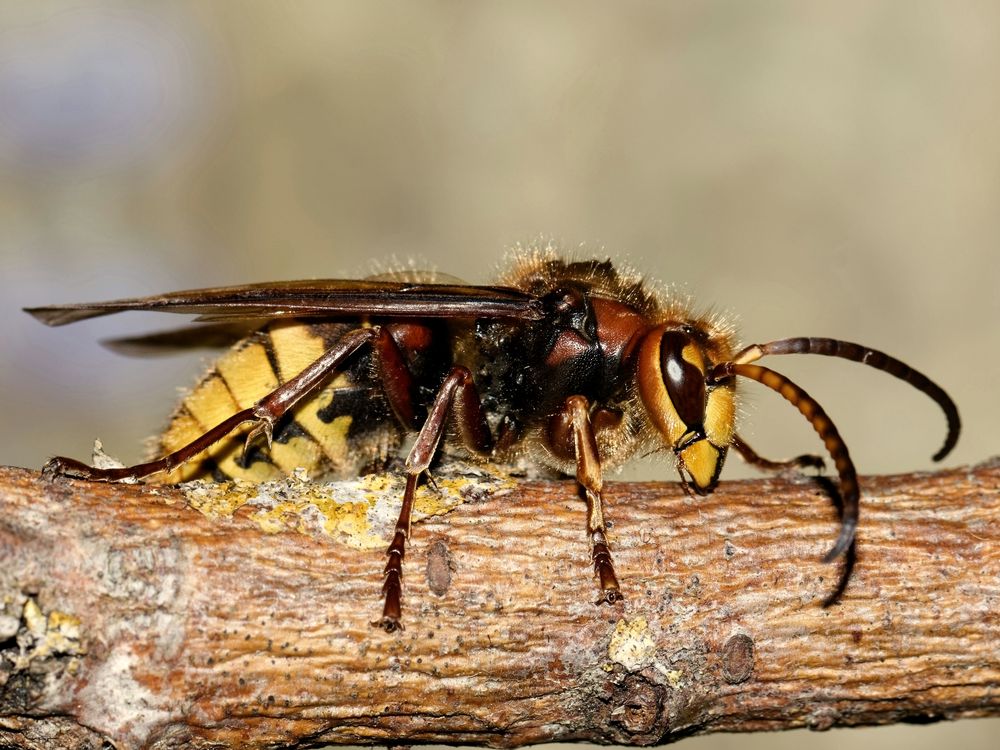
pixel 211 617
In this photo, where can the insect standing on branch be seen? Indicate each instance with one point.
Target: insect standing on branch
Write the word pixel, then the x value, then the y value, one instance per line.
pixel 572 365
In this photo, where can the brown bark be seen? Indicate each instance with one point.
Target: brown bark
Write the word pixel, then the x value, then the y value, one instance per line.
pixel 128 615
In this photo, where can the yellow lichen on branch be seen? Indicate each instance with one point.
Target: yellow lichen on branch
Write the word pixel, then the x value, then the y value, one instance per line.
pixel 359 513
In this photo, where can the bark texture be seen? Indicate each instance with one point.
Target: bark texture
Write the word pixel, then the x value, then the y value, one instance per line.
pixel 156 617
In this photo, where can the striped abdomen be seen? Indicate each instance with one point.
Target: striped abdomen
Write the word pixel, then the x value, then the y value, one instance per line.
pixel 340 430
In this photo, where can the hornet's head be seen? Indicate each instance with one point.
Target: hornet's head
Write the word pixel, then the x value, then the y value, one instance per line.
pixel 694 418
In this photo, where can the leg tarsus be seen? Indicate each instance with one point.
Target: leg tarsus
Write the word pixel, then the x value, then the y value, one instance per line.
pixel 392 586
pixel 604 569
pixel 808 461
pixel 60 467
pixel 264 428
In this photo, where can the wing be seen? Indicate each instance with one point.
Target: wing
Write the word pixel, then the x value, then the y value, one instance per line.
pixel 190 337
pixel 322 298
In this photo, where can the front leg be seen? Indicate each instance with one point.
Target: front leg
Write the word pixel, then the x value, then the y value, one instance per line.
pixel 573 423
pixel 752 457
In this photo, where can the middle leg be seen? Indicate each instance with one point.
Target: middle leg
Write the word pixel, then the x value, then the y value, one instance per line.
pixel 458 394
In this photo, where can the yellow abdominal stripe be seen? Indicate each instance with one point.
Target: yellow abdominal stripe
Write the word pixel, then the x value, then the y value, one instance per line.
pixel 249 375
pixel 240 378
pixel 296 347
pixel 210 403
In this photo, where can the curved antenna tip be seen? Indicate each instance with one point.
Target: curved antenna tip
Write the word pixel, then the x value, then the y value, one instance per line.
pixel 949 443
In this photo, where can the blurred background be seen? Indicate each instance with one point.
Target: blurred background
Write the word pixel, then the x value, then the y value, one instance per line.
pixel 828 170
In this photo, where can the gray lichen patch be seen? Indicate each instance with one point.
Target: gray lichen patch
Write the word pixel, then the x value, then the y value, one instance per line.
pixel 116 702
pixel 358 512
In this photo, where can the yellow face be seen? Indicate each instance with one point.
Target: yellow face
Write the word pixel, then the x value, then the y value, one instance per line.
pixel 696 420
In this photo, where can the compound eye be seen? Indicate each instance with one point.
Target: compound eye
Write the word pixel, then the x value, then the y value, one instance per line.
pixel 681 365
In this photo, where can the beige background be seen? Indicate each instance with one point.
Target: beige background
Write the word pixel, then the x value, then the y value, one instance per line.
pixel 820 169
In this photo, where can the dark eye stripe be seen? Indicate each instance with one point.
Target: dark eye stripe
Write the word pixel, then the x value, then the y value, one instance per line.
pixel 684 382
